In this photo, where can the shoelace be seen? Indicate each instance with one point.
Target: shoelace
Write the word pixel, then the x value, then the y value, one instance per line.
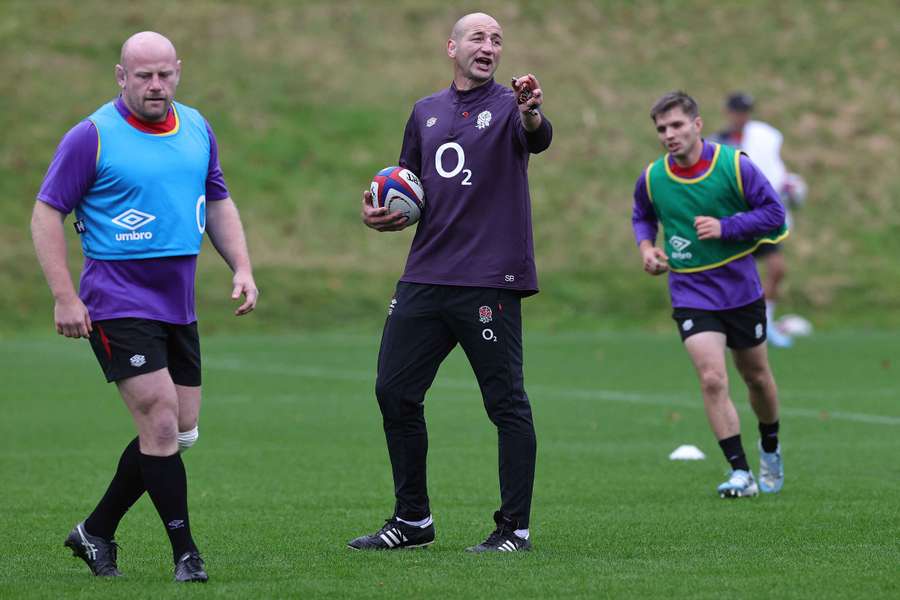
pixel 496 537
pixel 112 558
pixel 388 524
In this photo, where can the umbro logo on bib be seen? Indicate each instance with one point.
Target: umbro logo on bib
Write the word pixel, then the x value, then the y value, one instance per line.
pixel 679 244
pixel 131 220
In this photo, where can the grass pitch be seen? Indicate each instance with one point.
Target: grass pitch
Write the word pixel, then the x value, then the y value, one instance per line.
pixel 291 464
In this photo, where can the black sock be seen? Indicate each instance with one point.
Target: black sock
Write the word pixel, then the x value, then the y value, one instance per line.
pixel 734 452
pixel 124 490
pixel 768 436
pixel 166 483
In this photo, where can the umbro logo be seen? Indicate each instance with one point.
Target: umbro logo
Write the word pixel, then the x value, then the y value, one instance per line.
pixel 431 121
pixel 679 244
pixel 133 219
pixel 138 360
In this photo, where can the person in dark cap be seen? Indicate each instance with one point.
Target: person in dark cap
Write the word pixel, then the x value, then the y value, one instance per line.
pixel 762 143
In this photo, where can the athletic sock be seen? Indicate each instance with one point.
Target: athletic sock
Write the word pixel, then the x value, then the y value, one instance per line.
pixel 768 436
pixel 734 452
pixel 166 483
pixel 126 487
pixel 422 524
pixel 522 533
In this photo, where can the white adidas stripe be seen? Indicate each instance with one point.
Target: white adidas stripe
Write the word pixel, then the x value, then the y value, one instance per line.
pixel 387 541
pixel 392 533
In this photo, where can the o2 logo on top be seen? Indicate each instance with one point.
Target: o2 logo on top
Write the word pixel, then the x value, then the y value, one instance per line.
pixel 398 189
pixel 460 163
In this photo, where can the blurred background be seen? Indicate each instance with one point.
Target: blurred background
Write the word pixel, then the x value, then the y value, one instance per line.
pixel 308 100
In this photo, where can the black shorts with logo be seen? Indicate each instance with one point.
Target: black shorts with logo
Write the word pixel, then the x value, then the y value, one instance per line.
pixel 129 346
pixel 744 327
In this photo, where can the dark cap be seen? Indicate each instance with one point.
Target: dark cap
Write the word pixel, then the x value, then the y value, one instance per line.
pixel 739 102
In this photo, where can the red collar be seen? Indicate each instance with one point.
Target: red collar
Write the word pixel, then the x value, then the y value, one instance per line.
pixel 166 126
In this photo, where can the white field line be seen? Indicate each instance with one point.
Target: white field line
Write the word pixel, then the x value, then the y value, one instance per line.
pixel 660 399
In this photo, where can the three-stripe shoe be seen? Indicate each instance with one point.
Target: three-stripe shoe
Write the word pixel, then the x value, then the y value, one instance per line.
pixel 395 535
pixel 502 539
pixel 740 484
pixel 771 470
pixel 98 553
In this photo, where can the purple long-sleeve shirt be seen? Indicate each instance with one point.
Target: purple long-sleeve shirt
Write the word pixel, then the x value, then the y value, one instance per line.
pixel 735 283
pixel 154 288
pixel 471 152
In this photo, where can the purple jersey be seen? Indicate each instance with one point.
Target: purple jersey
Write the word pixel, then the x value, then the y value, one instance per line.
pixel 471 152
pixel 735 283
pixel 156 288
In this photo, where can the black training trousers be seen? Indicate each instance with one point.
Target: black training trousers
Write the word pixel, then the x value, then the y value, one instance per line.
pixel 425 322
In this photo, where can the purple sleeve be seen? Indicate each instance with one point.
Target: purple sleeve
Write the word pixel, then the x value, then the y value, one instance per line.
pixel 766 211
pixel 534 141
pixel 643 216
pixel 411 153
pixel 215 181
pixel 72 170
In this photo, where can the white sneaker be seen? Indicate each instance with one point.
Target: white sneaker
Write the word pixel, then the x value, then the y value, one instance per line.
pixel 771 470
pixel 740 484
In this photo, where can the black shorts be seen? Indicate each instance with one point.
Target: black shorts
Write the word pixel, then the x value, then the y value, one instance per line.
pixel 128 347
pixel 765 250
pixel 744 327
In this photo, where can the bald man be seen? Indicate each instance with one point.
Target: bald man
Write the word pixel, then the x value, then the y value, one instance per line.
pixel 143 177
pixel 470 264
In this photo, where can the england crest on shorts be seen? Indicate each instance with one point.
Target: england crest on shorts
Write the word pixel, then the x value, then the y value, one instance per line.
pixel 485 315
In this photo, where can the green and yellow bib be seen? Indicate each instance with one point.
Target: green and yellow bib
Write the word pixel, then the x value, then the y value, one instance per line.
pixel 719 193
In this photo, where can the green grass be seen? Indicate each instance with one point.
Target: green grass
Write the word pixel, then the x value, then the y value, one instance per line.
pixel 291 464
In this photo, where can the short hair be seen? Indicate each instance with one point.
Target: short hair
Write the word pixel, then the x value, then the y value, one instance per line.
pixel 672 100
pixel 741 102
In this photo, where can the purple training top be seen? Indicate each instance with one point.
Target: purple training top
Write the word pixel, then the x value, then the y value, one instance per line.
pixel 471 151
pixel 155 288
pixel 735 283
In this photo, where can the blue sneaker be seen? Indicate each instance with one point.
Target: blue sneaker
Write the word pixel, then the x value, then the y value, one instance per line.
pixel 740 484
pixel 778 339
pixel 771 470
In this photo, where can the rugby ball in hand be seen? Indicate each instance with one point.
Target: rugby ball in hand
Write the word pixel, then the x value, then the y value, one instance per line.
pixel 398 189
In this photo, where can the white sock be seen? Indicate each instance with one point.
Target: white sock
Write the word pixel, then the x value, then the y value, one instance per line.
pixel 421 524
pixel 770 311
pixel 522 533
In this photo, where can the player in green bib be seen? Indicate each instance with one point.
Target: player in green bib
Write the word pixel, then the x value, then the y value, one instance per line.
pixel 715 208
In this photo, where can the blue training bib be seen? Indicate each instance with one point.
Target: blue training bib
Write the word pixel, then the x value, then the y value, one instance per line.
pixel 149 196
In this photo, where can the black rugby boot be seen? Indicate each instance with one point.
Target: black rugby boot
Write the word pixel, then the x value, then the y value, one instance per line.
pixel 98 553
pixel 190 568
pixel 395 535
pixel 502 539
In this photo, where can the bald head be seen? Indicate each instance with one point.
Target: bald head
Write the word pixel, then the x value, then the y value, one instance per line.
pixel 475 45
pixel 147 46
pixel 148 74
pixel 469 21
